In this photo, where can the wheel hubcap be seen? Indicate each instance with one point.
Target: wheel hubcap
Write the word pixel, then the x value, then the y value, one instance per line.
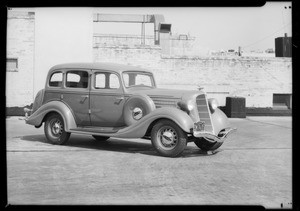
pixel 167 137
pixel 137 113
pixel 56 127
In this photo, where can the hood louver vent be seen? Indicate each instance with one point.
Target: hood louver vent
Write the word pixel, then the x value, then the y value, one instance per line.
pixel 165 102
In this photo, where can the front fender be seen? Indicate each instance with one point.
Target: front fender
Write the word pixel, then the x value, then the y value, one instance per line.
pixel 181 118
pixel 140 128
pixel 219 121
pixel 53 106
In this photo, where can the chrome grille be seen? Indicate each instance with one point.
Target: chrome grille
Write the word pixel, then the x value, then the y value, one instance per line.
pixel 165 102
pixel 204 113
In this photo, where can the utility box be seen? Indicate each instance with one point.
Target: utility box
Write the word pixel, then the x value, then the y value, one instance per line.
pixel 235 107
pixel 283 46
pixel 165 28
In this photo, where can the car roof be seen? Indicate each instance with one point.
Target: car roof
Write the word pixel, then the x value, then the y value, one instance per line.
pixel 98 66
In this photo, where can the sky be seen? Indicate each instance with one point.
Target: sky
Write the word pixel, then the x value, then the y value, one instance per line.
pixel 252 28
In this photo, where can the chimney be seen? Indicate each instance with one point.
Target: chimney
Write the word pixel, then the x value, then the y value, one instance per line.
pixel 164 37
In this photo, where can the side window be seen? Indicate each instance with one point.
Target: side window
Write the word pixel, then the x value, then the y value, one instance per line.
pixel 106 81
pixel 143 79
pixel 56 79
pixel 126 79
pixel 114 81
pixel 77 79
pixel 100 81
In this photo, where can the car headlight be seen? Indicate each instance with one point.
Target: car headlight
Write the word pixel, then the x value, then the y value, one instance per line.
pixel 186 106
pixel 190 106
pixel 213 104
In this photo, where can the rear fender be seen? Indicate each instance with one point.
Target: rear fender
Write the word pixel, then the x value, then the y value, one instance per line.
pixel 38 101
pixel 59 107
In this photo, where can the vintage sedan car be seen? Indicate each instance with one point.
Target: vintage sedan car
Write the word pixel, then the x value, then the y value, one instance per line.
pixel 112 100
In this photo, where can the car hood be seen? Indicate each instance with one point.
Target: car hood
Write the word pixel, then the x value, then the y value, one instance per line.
pixel 168 93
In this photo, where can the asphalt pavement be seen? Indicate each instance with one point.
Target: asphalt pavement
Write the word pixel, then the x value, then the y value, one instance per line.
pixel 253 167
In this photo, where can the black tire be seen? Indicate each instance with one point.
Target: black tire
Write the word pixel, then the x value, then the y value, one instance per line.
pixel 101 138
pixel 55 130
pixel 205 145
pixel 136 107
pixel 172 143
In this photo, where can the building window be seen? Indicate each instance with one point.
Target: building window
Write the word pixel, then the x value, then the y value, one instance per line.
pixel 12 64
pixel 282 101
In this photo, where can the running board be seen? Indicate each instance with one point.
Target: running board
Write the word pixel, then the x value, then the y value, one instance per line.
pixel 96 129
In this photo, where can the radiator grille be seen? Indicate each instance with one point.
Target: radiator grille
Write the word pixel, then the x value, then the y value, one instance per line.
pixel 204 113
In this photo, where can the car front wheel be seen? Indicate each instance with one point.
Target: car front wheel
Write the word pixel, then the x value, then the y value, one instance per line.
pixel 168 138
pixel 55 131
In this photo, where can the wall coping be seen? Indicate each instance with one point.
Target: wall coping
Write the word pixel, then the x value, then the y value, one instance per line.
pixel 285 59
pixel 20 14
pixel 152 47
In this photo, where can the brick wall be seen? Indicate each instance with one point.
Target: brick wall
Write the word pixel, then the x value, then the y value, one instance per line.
pixel 125 40
pixel 20 45
pixel 255 78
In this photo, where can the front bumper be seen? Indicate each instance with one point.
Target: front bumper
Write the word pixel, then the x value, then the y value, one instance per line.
pixel 213 138
pixel 27 112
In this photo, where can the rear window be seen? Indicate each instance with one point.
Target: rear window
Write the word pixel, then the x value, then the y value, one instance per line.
pixel 56 79
pixel 77 79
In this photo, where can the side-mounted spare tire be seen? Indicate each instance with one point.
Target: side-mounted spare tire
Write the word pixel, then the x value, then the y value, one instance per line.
pixel 136 107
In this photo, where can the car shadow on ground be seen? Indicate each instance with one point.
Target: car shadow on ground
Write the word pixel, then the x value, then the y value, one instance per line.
pixel 116 145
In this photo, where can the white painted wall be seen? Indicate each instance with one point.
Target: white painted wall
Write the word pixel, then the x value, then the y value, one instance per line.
pixel 20 46
pixel 61 35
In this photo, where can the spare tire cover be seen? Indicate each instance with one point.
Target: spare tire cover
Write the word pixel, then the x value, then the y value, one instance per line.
pixel 136 107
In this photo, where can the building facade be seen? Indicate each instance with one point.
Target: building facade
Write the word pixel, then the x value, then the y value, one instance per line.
pixel 37 39
pixel 20 58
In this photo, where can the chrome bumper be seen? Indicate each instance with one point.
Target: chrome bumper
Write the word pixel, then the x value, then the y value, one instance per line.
pixel 213 138
pixel 27 110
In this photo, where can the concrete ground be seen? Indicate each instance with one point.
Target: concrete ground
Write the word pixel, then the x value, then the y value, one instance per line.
pixel 253 167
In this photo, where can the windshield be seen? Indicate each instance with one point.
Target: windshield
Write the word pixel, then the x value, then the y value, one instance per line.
pixel 132 79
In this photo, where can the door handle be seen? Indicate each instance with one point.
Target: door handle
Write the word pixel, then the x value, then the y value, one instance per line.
pixel 84 98
pixel 119 99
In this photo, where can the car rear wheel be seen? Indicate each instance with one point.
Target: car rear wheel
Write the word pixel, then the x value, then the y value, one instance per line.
pixel 168 138
pixel 101 138
pixel 205 145
pixel 55 131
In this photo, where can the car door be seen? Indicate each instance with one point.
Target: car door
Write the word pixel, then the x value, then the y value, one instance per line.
pixel 76 95
pixel 106 99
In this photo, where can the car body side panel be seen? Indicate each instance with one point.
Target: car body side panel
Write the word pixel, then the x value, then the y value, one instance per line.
pixel 78 101
pixel 139 129
pixel 53 106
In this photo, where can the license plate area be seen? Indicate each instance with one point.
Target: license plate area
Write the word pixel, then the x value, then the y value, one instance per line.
pixel 199 126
